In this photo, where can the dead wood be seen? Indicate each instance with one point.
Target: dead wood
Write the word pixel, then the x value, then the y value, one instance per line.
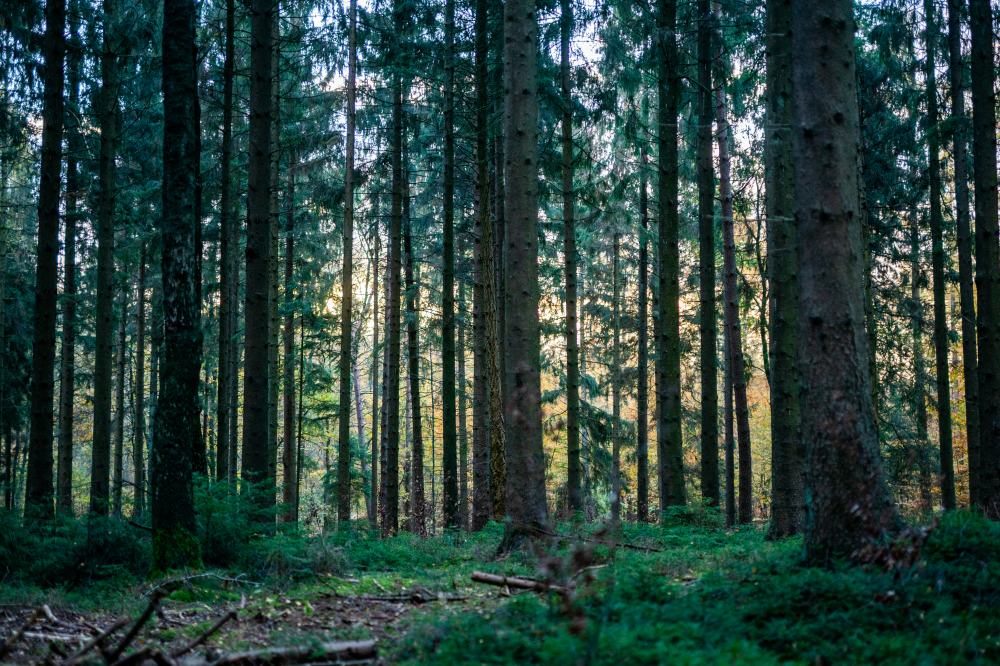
pixel 231 615
pixel 516 582
pixel 347 651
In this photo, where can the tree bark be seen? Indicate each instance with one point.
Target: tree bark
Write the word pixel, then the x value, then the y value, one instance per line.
pixel 984 149
pixel 418 518
pixel 707 327
pixel 258 259
pixel 139 413
pixel 937 262
pixel 67 358
pixel 668 369
pixel 347 288
pixel 959 124
pixel 228 276
pixel 100 469
pixel 847 503
pixel 173 516
pixel 787 502
pixel 289 461
pixel 616 389
pixel 463 439
pixel 729 434
pixel 920 444
pixel 119 441
pixel 526 504
pixel 642 390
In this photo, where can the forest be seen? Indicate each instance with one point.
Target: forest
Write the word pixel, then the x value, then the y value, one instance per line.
pixel 499 331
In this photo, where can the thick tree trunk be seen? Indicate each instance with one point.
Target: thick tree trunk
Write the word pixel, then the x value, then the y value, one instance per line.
pixel 258 259
pixel 787 502
pixel 847 503
pixel 959 124
pixel 573 491
pixel 273 319
pixel 228 245
pixel 729 434
pixel 374 381
pixel 139 412
pixel 937 263
pixel 984 152
pixel 707 328
pixel 463 437
pixel 919 448
pixel 730 288
pixel 668 354
pixel 100 469
pixel 38 489
pixel 289 460
pixel 173 515
pixel 347 289
pixel 526 504
pixel 448 434
pixel 67 357
pixel 642 392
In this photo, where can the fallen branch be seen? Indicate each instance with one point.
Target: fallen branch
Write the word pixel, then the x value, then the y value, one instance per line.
pixel 231 615
pixel 16 636
pixel 325 652
pixel 516 582
pixel 154 601
pixel 94 642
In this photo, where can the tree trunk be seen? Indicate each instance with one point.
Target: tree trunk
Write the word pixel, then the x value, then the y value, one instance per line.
pixel 959 124
pixel 728 430
pixel 376 354
pixel 463 439
pixel 984 153
pixel 668 355
pixel 139 413
pixel 273 319
pixel 706 263
pixel 38 490
pixel 289 461
pixel 920 445
pixel 174 528
pixel 846 499
pixel 119 444
pixel 390 473
pixel 787 502
pixel 100 470
pixel 418 518
pixel 228 278
pixel 732 319
pixel 642 393
pixel 347 289
pixel 256 375
pixel 937 263
pixel 573 491
pixel 616 389
pixel 526 504
pixel 67 357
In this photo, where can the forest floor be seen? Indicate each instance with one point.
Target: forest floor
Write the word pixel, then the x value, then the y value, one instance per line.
pixel 690 592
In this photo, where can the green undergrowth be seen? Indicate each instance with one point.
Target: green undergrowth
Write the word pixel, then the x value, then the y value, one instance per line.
pixel 716 597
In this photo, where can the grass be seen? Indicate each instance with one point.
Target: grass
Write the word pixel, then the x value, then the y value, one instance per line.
pixel 709 595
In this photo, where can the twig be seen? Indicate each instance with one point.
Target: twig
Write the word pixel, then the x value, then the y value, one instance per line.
pixel 16 636
pixel 48 614
pixel 94 642
pixel 231 615
pixel 154 601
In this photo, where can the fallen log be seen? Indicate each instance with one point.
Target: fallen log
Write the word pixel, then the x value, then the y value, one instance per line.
pixel 516 582
pixel 347 651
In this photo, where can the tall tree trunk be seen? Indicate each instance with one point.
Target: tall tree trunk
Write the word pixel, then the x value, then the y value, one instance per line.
pixel 119 442
pixel 463 439
pixel 347 288
pixel 448 434
pixel 730 289
pixel 707 328
pixel 360 416
pixel 376 354
pixel 289 461
pixel 390 473
pixel 846 498
pixel 273 323
pixel 38 490
pixel 919 447
pixel 228 245
pixel 174 541
pixel 573 490
pixel 418 518
pixel 526 505
pixel 959 124
pixel 668 354
pixel 984 153
pixel 481 497
pixel 787 502
pixel 67 358
pixel 100 469
pixel 616 389
pixel 258 259
pixel 937 262
pixel 139 413
pixel 199 459
pixel 642 393
pixel 729 435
